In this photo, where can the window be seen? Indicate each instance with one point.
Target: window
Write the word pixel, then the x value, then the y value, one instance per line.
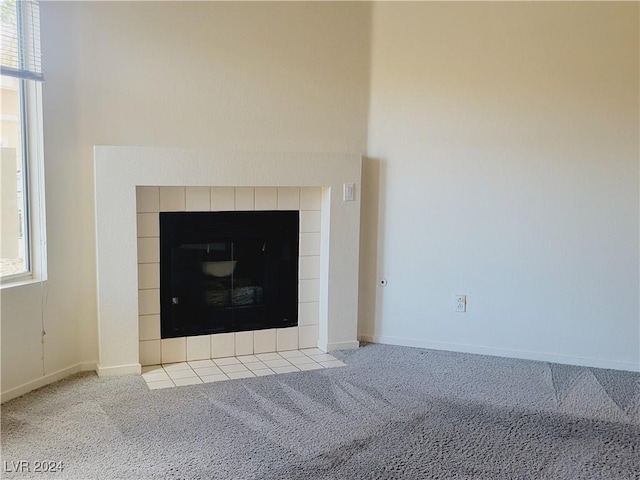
pixel 21 192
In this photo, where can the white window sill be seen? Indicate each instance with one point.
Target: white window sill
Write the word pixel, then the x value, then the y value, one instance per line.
pixel 19 282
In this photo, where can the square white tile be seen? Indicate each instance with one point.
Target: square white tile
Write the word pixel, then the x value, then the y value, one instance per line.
pixel 280 362
pixel 239 367
pixel 309 244
pixel 253 366
pixel 244 343
pixel 312 351
pixel 207 371
pixel 198 199
pixel 149 250
pixel 324 357
pixel 223 199
pixel 300 360
pixel 309 290
pixel 226 361
pixel 310 366
pixel 268 356
pixel 308 313
pixel 172 367
pixel 176 374
pixel 245 197
pixel 147 199
pixel 292 354
pixel 308 336
pixel 152 369
pixel 174 350
pixel 311 198
pixel 161 384
pixel 223 345
pixel 263 372
pixel 214 378
pixel 148 225
pixel 264 341
pixel 149 352
pixel 200 363
pixel 288 198
pixel 156 376
pixel 149 301
pixel 266 198
pixel 172 199
pixel 309 267
pixel 180 382
pixel 198 347
pixel 310 221
pixel 149 327
pixel 333 364
pixel 247 358
pixel 238 375
pixel 285 369
pixel 286 339
pixel 148 275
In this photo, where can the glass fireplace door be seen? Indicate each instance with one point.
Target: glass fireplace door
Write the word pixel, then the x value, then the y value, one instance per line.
pixel 237 275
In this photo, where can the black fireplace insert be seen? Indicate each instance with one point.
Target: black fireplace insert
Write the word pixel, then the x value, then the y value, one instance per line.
pixel 228 271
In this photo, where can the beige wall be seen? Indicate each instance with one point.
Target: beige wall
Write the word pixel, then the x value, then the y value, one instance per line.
pixel 504 157
pixel 224 76
pixel 505 137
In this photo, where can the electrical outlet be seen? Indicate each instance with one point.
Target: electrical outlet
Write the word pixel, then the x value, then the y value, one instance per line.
pixel 460 305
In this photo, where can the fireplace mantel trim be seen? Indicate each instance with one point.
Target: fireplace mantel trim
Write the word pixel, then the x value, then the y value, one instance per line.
pixel 119 170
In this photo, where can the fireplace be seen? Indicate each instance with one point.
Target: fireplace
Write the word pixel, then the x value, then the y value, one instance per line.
pixel 224 272
pixel 170 180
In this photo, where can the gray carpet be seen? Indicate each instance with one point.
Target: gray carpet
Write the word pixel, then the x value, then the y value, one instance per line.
pixel 393 412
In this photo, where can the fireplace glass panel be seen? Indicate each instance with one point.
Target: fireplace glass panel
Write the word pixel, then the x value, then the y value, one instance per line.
pixel 228 271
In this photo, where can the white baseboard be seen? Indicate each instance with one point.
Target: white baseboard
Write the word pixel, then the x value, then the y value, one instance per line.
pixel 45 380
pixel 503 352
pixel 119 370
pixel 329 347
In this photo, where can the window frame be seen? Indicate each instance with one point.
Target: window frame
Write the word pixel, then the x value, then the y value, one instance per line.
pixel 32 159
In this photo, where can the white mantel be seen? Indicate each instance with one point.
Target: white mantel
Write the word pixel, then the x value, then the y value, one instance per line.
pixel 119 170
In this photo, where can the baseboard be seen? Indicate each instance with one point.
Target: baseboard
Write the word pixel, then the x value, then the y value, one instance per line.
pixel 45 380
pixel 329 347
pixel 118 370
pixel 503 352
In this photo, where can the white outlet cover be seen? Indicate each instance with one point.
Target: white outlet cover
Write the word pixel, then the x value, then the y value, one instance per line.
pixel 460 304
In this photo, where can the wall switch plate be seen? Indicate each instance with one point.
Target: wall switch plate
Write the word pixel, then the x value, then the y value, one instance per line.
pixel 460 304
pixel 348 192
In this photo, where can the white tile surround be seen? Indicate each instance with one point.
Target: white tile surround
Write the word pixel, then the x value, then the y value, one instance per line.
pixel 127 248
pixel 151 200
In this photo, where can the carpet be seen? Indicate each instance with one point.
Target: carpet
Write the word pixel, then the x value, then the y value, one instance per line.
pixel 392 413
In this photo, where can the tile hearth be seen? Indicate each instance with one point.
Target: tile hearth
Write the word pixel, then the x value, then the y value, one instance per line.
pixel 231 368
